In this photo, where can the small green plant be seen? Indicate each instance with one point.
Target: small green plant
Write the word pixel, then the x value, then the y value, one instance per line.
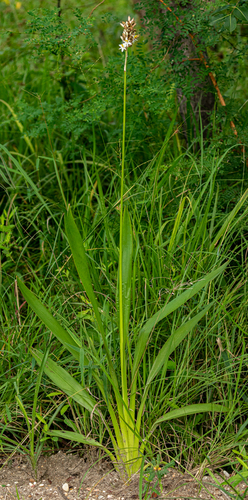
pixel 150 484
pixel 123 391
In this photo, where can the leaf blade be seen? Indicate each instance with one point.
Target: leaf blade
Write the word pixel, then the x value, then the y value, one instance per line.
pixel 127 253
pixel 81 263
pixel 66 382
pixel 173 341
pixel 69 340
pixel 167 309
pixel 191 410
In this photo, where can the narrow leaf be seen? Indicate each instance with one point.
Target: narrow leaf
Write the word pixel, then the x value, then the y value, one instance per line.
pixel 127 252
pixel 167 309
pixel 81 263
pixel 79 438
pixel 173 341
pixel 176 224
pixel 27 179
pixel 75 436
pixel 229 219
pixel 66 382
pixel 191 410
pixel 69 340
pixel 162 358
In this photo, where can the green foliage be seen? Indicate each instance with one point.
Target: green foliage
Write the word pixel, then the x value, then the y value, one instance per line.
pixel 61 105
pixel 194 368
pixel 127 417
pixel 84 71
pixel 227 16
pixel 49 33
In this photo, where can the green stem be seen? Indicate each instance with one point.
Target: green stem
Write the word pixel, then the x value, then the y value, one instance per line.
pixel 121 318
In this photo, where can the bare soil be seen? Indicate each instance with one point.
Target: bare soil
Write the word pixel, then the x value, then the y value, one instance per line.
pixel 99 481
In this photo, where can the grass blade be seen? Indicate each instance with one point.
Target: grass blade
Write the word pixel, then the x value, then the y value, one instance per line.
pixel 81 263
pixel 190 410
pixel 69 340
pixel 66 382
pixel 167 309
pixel 80 259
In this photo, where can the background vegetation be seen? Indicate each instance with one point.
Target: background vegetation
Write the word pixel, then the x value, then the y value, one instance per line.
pixel 186 190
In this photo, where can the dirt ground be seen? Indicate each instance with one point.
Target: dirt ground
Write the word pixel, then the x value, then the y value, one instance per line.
pixel 68 477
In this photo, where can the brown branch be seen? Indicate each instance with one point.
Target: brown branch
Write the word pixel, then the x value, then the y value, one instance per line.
pixel 190 59
pixel 96 7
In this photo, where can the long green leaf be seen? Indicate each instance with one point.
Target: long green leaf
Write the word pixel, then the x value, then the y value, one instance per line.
pixel 173 341
pixel 183 412
pixel 127 252
pixel 72 388
pixel 176 224
pixel 81 263
pixel 190 410
pixel 69 340
pixel 75 436
pixel 79 438
pixel 66 382
pixel 162 358
pixel 167 309
pixel 27 179
pixel 19 125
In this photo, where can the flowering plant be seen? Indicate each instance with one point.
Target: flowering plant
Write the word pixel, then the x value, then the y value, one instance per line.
pixel 129 35
pixel 125 404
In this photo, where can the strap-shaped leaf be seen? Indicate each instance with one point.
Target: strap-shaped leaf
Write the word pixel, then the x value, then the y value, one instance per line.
pixel 184 412
pixel 81 263
pixel 229 219
pixel 28 179
pixel 66 382
pixel 162 358
pixel 69 340
pixel 190 410
pixel 79 438
pixel 167 309
pixel 127 253
pixel 75 436
pixel 173 341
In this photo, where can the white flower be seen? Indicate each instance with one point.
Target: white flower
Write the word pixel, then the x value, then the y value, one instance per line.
pixel 128 36
pixel 124 45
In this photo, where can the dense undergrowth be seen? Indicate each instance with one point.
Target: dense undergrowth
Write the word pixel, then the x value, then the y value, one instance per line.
pixel 188 208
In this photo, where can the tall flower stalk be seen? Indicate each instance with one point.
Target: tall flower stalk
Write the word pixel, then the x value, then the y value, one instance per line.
pixel 124 407
pixel 128 37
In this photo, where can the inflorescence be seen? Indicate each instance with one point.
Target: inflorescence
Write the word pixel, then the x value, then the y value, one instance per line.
pixel 128 36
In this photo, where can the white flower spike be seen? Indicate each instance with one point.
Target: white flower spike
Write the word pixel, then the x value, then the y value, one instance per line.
pixel 128 36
